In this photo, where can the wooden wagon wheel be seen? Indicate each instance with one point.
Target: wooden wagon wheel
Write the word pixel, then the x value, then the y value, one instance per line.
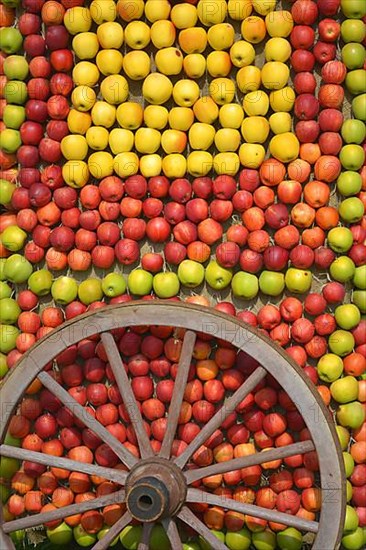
pixel 157 487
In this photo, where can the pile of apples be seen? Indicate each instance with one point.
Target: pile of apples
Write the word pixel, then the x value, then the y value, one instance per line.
pixel 130 122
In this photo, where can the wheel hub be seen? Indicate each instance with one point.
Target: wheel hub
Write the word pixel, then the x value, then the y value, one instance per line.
pixel 155 489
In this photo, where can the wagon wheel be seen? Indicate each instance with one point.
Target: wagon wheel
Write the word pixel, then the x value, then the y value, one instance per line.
pixel 157 487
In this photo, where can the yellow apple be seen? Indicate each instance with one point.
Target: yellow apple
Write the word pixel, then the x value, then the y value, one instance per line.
pixel 218 63
pixel 137 35
pixel 181 118
pixel 103 114
pixel 279 23
pixel 282 100
pixel 75 173
pixel 239 9
pixel 277 49
pixel 173 141
pixel 78 122
pixel 255 129
pixel 169 61
pixel 85 73
pixel 109 62
pixel 264 6
pixel 185 92
pixel 100 164
pixel 83 98
pixel 211 12
pixel 77 19
pixel 136 64
pixel 251 155
pixel 284 147
pixel 150 165
pixel 231 115
pixel 121 140
pixel 156 10
pixel 256 103
pixel 280 122
pixel 74 147
pixel 275 75
pixel 226 163
pixel 97 138
pixel 183 15
pixel 222 90
pixel 162 34
pixel 157 88
pixel 114 88
pixel 156 116
pixel 227 140
pixel 201 135
pixel 129 10
pixel 126 164
pixel 242 53
pixel 103 10
pixel 253 29
pixel 248 79
pixel 130 115
pixel 221 36
pixel 193 40
pixel 194 64
pixel 85 45
pixel 206 110
pixel 110 35
pixel 199 163
pixel 174 165
pixel 147 140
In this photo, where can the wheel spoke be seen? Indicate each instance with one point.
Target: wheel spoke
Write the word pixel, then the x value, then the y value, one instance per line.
pixel 123 454
pixel 145 538
pixel 113 532
pixel 60 513
pixel 190 519
pixel 173 534
pixel 219 417
pixel 111 474
pixel 127 394
pixel 195 495
pixel 250 460
pixel 178 392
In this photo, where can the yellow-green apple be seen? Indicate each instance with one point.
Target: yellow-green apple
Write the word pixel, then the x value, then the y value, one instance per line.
pixel 282 100
pixel 100 164
pixel 298 280
pixel 15 67
pixel 227 139
pixel 156 116
pixel 137 35
pixel 248 79
pixel 85 45
pixel 242 53
pixel 275 75
pixel 10 140
pixel 74 147
pixel 13 116
pixel 15 91
pixel 166 285
pixel 126 164
pixel 147 140
pixel 103 114
pixel 218 63
pixel 239 9
pixel 216 276
pixel 186 92
pixel 120 140
pixel 351 415
pixel 13 238
pixel 344 389
pixel 194 65
pixel 162 34
pixel 150 165
pixel 157 88
pixel 279 23
pixel 190 273
pixel 130 115
pixel 226 162
pixel 277 49
pixel 280 122
pixel 85 73
pixel 77 19
pixel 83 98
pixel 256 103
pixel 136 64
pixel 193 40
pixel 140 282
pixel 199 163
pixel 255 129
pixel 184 15
pixel 103 10
pixel 251 155
pixel 156 10
pixel 206 110
pixel 169 61
pixel 110 35
pixel 231 115
pixel 201 135
pixel 173 141
pixel 114 88
pixel 129 10
pixel 174 165
pixel 271 283
pixel 211 12
pixel 17 269
pixel 264 6
pixel 113 284
pixel 75 173
pixel 245 285
pixel 181 118
pixel 11 39
pixel 78 122
pixel 7 189
pixel 97 138
pixel 221 36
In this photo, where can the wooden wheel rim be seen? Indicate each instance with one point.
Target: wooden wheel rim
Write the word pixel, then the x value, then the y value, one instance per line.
pixel 218 325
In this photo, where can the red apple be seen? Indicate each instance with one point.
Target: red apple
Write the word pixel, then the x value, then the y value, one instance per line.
pixel 34 45
pixel 330 143
pixel 302 60
pixel 29 23
pixel 302 37
pixel 306 107
pixel 61 84
pixel 307 131
pixel 31 132
pixel 330 120
pixel 324 52
pixel 304 82
pixel 329 30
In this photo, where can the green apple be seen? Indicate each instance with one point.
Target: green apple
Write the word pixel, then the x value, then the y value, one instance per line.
pixel 359 278
pixel 271 283
pixel 90 291
pixel 298 280
pixel 353 9
pixel 191 273
pixel 16 67
pixel 351 520
pixel 6 191
pixel 60 535
pixel 13 116
pixel 3 368
pixel 17 269
pixel 140 282
pixel 349 489
pixel 351 415
pixel 8 336
pixel 64 290
pixel 344 389
pixel 343 436
pixel 342 269
pixel 349 463
pixel 10 140
pixel 359 299
pixel 359 107
pixel 5 494
pixel 238 540
pixel 18 537
pixel 245 285
pixel 347 316
pixel 354 540
pixel 11 40
pixel 289 539
pixel 349 183
pixel 15 91
pixel 13 238
pixel 5 290
pixel 352 156
pixel 340 239
pixel 353 30
pixel 329 367
pixel 11 3
pixel 82 537
pixel 217 277
pixel 113 284
pixel 353 131
pixel 159 539
pixel 40 282
pixel 166 284
pixel 264 540
pixel 11 440
pixel 191 546
pixel 205 545
pixel 353 55
pixel 2 269
pixel 8 467
pixel 355 81
pixel 341 342
pixel 9 311
pixel 130 537
pixel 103 532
